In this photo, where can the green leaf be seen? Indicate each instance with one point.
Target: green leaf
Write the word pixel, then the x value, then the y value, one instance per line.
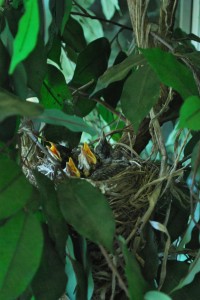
pixel 4 64
pixel 119 71
pixel 87 210
pixel 92 62
pixel 50 280
pixel 192 271
pixel 186 238
pixel 137 286
pixel 69 269
pixel 191 143
pixel 20 252
pixel 80 283
pixel 47 19
pixel 15 190
pixel 56 223
pixel 36 66
pixel 77 279
pixel 19 75
pixel 171 72
pixel 113 92
pixel 87 3
pixel 54 89
pixel 57 117
pixel 92 28
pixel 55 52
pixel 11 105
pixel 175 271
pixel 140 93
pixel 26 37
pixel 73 35
pixel 109 8
pixel 67 10
pixel 190 113
pixel 156 295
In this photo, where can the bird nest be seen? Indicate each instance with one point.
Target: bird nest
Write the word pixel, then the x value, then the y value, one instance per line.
pixel 130 192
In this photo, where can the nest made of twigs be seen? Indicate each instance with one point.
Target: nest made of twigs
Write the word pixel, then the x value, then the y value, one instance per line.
pixel 128 193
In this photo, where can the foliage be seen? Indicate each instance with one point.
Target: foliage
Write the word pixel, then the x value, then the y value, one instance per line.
pixel 88 79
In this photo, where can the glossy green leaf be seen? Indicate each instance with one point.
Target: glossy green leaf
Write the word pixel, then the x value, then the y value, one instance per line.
pixel 140 93
pixel 55 52
pixel 50 280
pixel 57 226
pixel 150 254
pixel 77 279
pixel 15 190
pixel 11 105
pixel 4 64
pixel 54 90
pixel 192 142
pixel 119 71
pixel 57 117
pixel 36 67
pixel 92 28
pixel 73 35
pixel 80 284
pixel 192 271
pixel 92 62
pixel 112 93
pixel 1 2
pixel 109 8
pixel 171 72
pixel 67 10
pixel 19 75
pixel 88 211
pixel 156 295
pixel 47 18
pixel 175 271
pixel 26 37
pixel 137 286
pixel 72 280
pixel 20 252
pixel 190 227
pixel 190 113
pixel 87 3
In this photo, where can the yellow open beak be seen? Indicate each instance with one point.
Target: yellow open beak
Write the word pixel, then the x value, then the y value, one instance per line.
pixel 72 169
pixel 91 158
pixel 54 151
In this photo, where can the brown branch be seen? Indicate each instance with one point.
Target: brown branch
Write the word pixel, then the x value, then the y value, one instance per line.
pixel 114 270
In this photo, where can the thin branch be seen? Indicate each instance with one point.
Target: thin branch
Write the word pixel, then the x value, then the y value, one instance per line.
pixel 83 87
pixel 114 270
pixel 85 14
pixel 103 103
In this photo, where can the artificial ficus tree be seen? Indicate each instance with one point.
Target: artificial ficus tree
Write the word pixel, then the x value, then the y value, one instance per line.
pixel 118 228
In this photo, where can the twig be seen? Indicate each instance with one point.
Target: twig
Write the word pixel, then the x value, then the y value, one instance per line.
pixel 162 41
pixel 103 103
pixel 160 142
pixel 82 87
pixel 114 270
pixel 154 182
pixel 85 14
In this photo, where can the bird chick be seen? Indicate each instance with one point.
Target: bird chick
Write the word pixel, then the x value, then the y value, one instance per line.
pixel 86 160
